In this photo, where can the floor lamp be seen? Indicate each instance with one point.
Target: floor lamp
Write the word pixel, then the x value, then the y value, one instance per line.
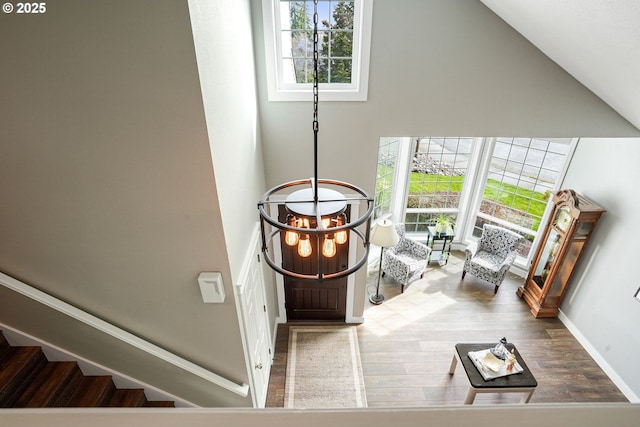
pixel 384 235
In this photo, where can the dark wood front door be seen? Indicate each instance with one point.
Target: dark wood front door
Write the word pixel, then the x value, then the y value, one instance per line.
pixel 308 300
pixel 312 300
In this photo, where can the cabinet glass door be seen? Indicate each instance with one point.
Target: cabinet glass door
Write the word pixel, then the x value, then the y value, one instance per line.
pixel 547 258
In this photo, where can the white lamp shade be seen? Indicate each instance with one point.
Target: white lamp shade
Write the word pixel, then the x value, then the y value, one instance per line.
pixel 384 234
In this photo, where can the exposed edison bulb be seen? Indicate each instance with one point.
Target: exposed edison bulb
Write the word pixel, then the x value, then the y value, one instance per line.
pixel 326 222
pixel 341 236
pixel 304 246
pixel 291 238
pixel 328 247
pixel 305 223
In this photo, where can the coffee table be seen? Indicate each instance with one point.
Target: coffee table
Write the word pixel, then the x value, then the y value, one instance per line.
pixel 523 382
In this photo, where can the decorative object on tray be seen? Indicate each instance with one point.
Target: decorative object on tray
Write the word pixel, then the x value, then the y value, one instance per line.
pixel 511 362
pixel 495 362
pixel 490 367
pixel 492 362
pixel 500 351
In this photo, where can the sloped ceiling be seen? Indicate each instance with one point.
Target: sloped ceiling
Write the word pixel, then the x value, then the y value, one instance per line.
pixel 596 41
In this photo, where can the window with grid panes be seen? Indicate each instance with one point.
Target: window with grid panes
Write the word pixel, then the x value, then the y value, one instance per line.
pixel 522 175
pixel 343 41
pixel 436 179
pixel 335 38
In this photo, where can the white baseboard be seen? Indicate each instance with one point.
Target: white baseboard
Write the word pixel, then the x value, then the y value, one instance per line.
pixel 56 354
pixel 611 373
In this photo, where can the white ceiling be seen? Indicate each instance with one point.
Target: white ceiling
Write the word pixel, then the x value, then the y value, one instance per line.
pixel 596 41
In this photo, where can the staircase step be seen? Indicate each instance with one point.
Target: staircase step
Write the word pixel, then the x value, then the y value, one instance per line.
pixel 93 391
pixel 67 390
pixel 28 380
pixel 128 398
pixel 51 385
pixel 18 367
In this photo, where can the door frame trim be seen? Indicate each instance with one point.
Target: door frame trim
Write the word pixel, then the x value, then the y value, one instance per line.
pixel 251 258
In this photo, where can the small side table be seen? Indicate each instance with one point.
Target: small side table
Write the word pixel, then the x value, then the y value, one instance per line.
pixel 523 382
pixel 447 240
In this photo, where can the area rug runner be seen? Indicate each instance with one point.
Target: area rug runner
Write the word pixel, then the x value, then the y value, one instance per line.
pixel 323 368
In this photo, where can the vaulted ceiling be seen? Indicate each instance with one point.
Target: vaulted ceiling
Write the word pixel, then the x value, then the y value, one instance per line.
pixel 596 41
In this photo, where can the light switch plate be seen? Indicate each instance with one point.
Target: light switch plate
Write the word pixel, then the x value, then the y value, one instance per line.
pixel 211 287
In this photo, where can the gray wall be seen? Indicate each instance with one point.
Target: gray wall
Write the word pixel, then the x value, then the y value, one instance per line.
pixel 109 200
pixel 224 49
pixel 600 300
pixel 438 68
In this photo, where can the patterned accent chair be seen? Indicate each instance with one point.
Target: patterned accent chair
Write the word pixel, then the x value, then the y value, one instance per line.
pixel 490 257
pixel 406 261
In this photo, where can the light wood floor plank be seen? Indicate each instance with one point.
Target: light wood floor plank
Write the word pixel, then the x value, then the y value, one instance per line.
pixel 406 344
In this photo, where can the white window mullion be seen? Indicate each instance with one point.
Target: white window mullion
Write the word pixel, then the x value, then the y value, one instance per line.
pixel 470 198
pixel 563 173
pixel 401 181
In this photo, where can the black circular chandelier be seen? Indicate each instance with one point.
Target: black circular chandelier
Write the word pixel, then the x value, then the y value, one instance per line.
pixel 316 216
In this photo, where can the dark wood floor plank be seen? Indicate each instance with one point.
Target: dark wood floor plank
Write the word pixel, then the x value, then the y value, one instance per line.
pixel 407 343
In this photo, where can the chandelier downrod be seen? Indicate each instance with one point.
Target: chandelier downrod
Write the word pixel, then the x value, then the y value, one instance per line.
pixel 315 100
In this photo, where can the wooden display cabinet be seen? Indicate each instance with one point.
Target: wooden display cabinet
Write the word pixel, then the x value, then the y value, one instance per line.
pixel 563 240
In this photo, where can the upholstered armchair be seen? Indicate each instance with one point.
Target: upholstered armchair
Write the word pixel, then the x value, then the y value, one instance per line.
pixel 406 261
pixel 490 257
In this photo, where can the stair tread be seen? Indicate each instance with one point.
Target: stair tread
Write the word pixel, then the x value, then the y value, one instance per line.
pixel 128 398
pixel 50 385
pixel 18 367
pixel 93 391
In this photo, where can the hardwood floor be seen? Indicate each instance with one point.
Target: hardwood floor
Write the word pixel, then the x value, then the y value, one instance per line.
pixel 406 344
